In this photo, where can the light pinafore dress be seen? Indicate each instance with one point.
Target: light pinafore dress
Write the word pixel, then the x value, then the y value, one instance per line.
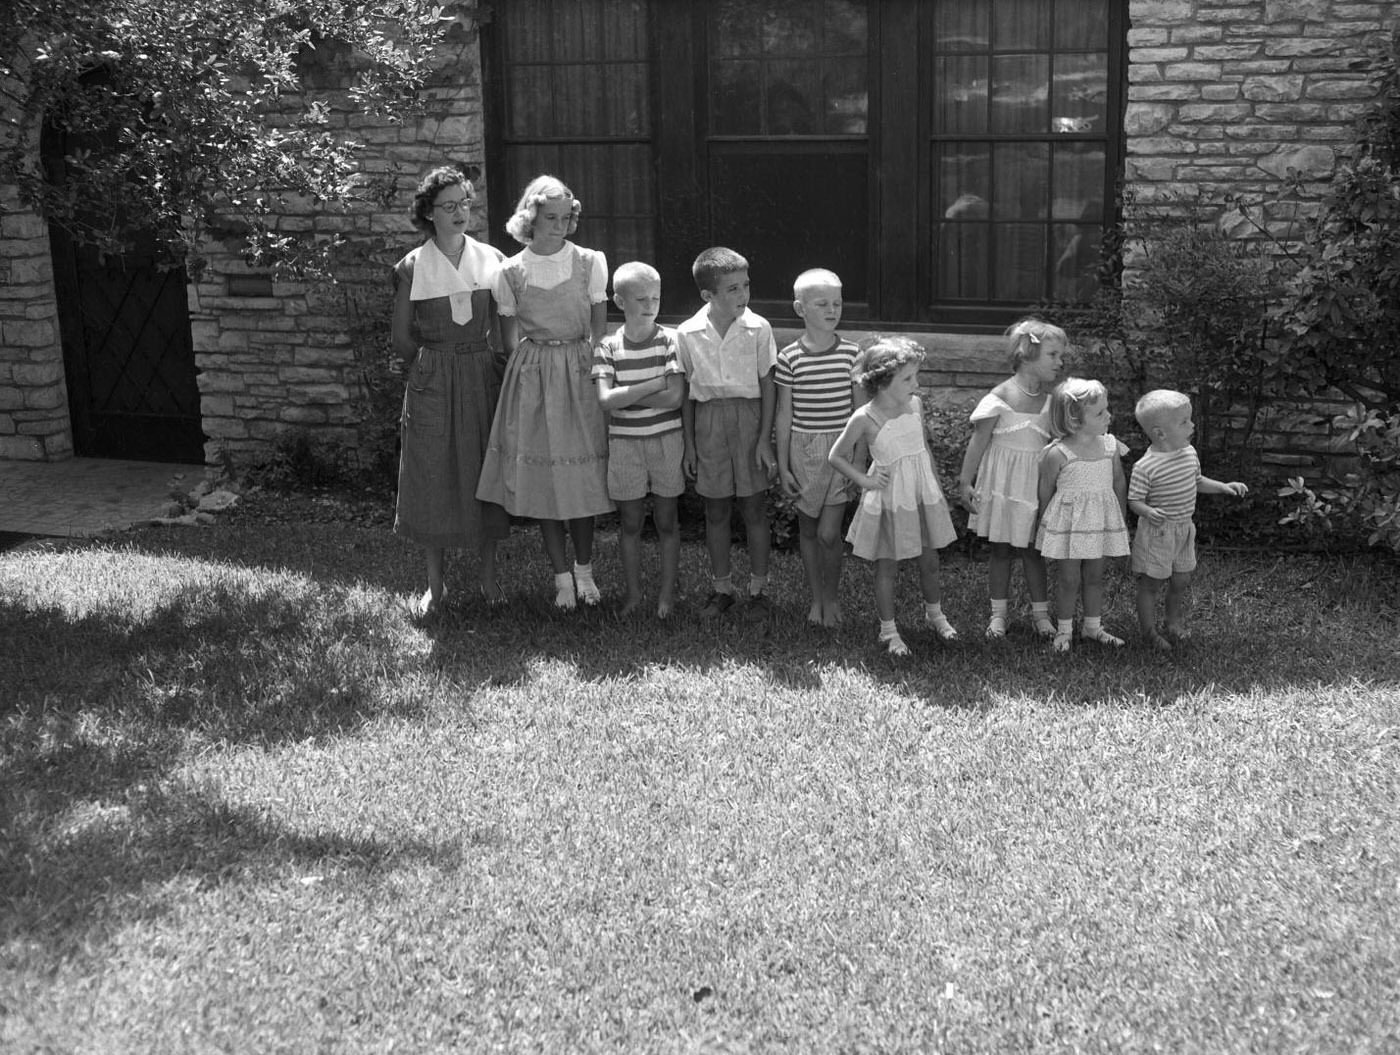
pixel 909 514
pixel 548 453
pixel 1084 520
pixel 449 398
pixel 1008 480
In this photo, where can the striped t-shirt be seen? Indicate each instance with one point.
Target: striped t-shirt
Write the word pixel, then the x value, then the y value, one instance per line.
pixel 820 384
pixel 628 364
pixel 1167 480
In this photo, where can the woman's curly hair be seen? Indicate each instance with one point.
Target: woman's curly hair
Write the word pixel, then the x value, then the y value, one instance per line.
pixel 429 187
pixel 521 225
pixel 876 366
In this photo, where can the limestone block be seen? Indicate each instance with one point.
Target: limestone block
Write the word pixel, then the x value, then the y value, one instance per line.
pixel 1163 146
pixel 1145 119
pixel 21 448
pixel 1192 71
pixel 1341 90
pixel 1237 52
pixel 1308 10
pixel 1273 89
pixel 224 428
pixel 321 394
pixel 1220 93
pixel 1310 160
pixel 28 333
pixel 1170 12
pixel 49 397
pixel 1202 112
pixel 303 375
pixel 7 425
pixel 303 415
pixel 216 406
pixel 11 398
pixel 1177 54
pixel 27 374
pixel 1180 91
pixel 22 225
pixel 1294 46
pixel 1157 169
pixel 212 381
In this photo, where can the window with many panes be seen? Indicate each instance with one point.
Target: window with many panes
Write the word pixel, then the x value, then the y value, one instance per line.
pixel 953 160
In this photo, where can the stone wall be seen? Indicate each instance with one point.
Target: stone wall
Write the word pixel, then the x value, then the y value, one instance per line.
pixel 33 398
pixel 1225 97
pixel 274 356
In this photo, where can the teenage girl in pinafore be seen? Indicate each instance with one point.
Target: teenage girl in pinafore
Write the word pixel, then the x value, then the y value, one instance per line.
pixel 999 482
pixel 902 512
pixel 547 457
pixel 1083 503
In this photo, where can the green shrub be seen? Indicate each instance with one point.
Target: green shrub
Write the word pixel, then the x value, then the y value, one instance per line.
pixel 1362 504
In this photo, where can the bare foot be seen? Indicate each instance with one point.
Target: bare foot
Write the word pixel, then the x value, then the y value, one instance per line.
pixel 630 603
pixel 814 614
pixel 428 606
pixel 1177 633
pixel 831 617
pixel 664 608
pixel 1157 641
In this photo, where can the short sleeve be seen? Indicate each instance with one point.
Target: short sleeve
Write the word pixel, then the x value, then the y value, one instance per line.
pixel 501 289
pixel 783 374
pixel 597 278
pixel 1114 446
pixel 403 271
pixel 683 354
pixel 989 406
pixel 673 364
pixel 1139 481
pixel 603 364
pixel 767 350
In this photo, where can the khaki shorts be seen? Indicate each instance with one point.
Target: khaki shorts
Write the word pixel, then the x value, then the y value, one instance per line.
pixel 726 436
pixel 645 465
pixel 819 485
pixel 1163 550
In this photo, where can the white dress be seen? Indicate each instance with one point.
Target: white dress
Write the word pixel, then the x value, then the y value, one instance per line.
pixel 909 514
pixel 1084 520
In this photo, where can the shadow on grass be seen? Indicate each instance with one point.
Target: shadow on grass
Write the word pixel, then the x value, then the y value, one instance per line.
pixel 65 872
pixel 105 687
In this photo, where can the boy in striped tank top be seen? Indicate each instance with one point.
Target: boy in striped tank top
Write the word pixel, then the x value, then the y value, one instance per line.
pixel 641 386
pixel 1162 492
pixel 816 397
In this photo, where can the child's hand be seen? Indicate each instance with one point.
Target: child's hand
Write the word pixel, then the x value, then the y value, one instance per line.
pixel 766 461
pixel 1237 489
pixel 789 483
pixel 1156 515
pixel 689 463
pixel 968 497
pixel 876 479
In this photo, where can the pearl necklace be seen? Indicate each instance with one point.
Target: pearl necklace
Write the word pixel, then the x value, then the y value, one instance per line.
pixel 1024 390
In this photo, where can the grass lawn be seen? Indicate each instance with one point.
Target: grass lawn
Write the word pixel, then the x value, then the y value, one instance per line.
pixel 247 805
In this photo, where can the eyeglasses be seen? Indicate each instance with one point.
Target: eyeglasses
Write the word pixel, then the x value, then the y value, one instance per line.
pixel 460 205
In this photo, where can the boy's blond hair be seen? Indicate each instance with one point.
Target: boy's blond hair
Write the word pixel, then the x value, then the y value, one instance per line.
pixel 814 278
pixel 635 273
pixel 1152 407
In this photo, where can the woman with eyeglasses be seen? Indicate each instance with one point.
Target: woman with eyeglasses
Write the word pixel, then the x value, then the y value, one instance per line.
pixel 446 333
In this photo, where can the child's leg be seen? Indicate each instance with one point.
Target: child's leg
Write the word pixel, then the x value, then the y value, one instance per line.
pixel 831 552
pixel 581 531
pixel 1038 586
pixel 754 509
pixel 632 515
pixel 931 588
pixel 1092 630
pixel 886 571
pixel 1148 590
pixel 1066 597
pixel 810 549
pixel 664 516
pixel 1178 593
pixel 486 559
pixel 999 586
pixel 717 545
pixel 552 531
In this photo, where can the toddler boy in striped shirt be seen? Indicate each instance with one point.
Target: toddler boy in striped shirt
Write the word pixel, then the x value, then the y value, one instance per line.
pixel 1162 492
pixel 641 386
pixel 816 397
